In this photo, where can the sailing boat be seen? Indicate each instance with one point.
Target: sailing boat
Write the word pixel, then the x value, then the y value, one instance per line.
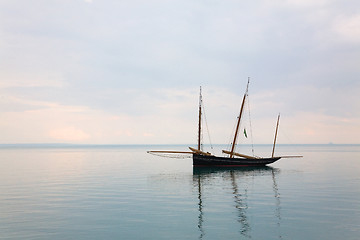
pixel 233 159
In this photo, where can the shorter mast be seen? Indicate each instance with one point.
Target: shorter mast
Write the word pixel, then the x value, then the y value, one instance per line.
pixel 199 132
pixel 277 126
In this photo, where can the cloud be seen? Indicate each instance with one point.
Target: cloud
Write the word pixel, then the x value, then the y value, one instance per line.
pixel 24 80
pixel 308 3
pixel 310 127
pixel 172 118
pixel 38 121
pixel 69 134
pixel 122 70
pixel 348 28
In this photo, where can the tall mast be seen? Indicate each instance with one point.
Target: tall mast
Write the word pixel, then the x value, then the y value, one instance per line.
pixel 238 122
pixel 277 126
pixel 199 133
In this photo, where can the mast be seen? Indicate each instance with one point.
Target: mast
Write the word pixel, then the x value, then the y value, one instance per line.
pixel 277 126
pixel 199 132
pixel 238 122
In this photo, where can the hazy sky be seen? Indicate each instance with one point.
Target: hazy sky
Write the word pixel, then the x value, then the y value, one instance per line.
pixel 124 72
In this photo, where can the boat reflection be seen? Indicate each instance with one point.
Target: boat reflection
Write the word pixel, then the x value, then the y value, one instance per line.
pixel 203 176
pixel 256 170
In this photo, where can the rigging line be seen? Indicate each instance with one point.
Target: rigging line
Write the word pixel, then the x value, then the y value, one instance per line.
pixel 207 128
pixel 251 132
pixel 283 133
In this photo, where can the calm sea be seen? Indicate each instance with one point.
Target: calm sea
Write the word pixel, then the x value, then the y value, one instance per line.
pixel 121 192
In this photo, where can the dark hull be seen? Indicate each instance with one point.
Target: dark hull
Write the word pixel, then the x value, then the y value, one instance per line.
pixel 214 161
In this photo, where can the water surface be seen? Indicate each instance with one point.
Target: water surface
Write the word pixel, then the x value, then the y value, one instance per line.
pixel 121 192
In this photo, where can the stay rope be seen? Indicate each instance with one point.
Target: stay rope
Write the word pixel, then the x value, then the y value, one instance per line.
pixel 207 128
pixel 251 133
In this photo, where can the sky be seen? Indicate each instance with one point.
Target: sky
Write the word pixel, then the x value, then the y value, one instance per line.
pixel 129 72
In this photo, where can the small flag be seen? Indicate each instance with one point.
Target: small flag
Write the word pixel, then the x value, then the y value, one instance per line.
pixel 245 133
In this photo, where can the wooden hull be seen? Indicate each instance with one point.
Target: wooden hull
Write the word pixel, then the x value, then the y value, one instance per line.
pixel 214 161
